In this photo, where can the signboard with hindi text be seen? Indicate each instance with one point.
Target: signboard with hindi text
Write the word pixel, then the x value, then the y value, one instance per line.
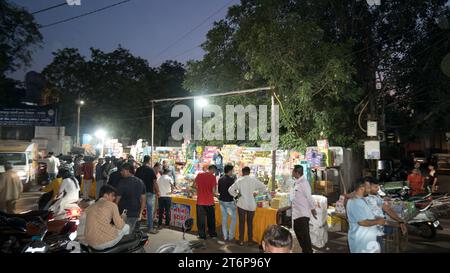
pixel 28 116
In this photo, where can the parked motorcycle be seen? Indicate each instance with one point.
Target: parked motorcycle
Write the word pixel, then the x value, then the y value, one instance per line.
pixel 18 231
pixel 60 224
pixel 132 243
pixel 425 223
pixel 429 207
pixel 182 246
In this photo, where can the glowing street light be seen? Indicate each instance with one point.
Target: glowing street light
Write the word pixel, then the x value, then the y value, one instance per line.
pixel 100 134
pixel 201 102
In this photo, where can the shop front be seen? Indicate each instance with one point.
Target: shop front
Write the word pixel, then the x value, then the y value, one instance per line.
pixel 184 208
pixel 272 203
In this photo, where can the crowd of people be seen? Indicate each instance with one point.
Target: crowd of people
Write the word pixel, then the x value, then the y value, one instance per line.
pixel 236 196
pixel 125 188
pixel 124 191
pixel 421 181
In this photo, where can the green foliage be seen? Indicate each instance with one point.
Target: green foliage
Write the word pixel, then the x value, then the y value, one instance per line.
pixel 19 33
pixel 322 57
pixel 117 88
pixel 269 43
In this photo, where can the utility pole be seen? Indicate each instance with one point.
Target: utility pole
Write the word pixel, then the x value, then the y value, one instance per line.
pixel 274 150
pixel 153 132
pixel 79 103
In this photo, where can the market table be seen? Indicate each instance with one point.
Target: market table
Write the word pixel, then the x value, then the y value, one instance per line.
pixel 183 206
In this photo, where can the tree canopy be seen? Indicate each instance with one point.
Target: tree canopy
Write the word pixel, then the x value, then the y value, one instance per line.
pixel 116 86
pixel 19 36
pixel 19 33
pixel 325 58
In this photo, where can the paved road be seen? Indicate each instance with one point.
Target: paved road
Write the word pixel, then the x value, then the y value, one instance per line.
pixel 214 245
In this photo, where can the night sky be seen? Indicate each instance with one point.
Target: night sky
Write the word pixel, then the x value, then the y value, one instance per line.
pixel 145 27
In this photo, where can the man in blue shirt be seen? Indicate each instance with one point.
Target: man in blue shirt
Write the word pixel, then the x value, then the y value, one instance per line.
pixel 362 235
pixel 380 208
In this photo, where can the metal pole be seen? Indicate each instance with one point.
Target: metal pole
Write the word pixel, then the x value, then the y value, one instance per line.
pixel 103 147
pixel 274 151
pixel 78 124
pixel 153 132
pixel 238 92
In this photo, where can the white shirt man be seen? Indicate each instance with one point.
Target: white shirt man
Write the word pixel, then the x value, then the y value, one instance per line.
pixel 246 187
pixel 303 206
pixel 302 201
pixel 52 166
pixel 165 184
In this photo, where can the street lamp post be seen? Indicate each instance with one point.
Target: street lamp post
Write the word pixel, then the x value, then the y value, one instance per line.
pixel 79 104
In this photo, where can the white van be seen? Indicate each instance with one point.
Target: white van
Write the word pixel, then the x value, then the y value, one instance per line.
pixel 22 155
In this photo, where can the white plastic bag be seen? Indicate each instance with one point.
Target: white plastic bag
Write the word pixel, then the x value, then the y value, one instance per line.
pixel 340 205
pixel 318 228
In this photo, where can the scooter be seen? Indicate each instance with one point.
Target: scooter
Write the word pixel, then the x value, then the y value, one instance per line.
pixel 182 246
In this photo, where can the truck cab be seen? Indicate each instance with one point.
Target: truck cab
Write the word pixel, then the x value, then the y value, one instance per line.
pixel 23 156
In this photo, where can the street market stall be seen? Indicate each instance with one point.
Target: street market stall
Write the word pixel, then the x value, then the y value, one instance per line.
pixel 272 205
pixel 184 208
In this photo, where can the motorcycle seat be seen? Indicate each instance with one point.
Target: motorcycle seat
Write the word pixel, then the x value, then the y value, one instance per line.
pixel 128 242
